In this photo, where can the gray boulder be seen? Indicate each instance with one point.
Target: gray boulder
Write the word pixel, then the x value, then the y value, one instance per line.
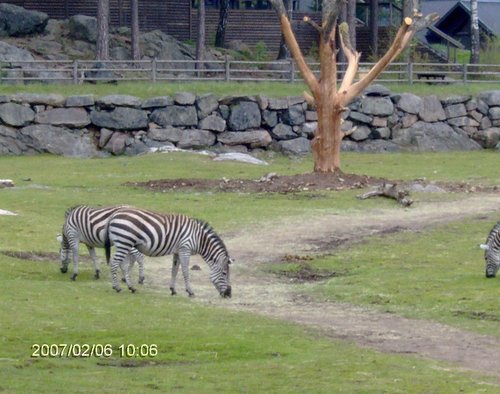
pixel 83 27
pixel 431 109
pixel 283 132
pixel 58 140
pixel 196 139
pixel 10 53
pixel 244 115
pixel 297 146
pixel 491 97
pixel 10 143
pixel 455 99
pixel 17 22
pixel 294 115
pixel 381 106
pixel 120 118
pixel 119 100
pixel 360 117
pixel 206 104
pixel 157 102
pixel 494 113
pixel 270 118
pixel 488 138
pixel 169 133
pixel 455 110
pixel 409 103
pixel 184 98
pixel 70 117
pixel 361 133
pixel 80 101
pixel 213 123
pixel 116 145
pixel 52 99
pixel 377 90
pixel 255 138
pixel 175 115
pixel 13 114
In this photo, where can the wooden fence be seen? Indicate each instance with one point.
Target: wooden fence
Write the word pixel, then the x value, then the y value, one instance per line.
pixel 78 72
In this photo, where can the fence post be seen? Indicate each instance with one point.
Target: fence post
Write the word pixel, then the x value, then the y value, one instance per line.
pixel 409 71
pixel 153 70
pixel 464 71
pixel 227 69
pixel 75 72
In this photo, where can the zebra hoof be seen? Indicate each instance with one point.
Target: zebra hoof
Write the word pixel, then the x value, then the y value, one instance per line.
pixel 190 294
pixel 124 280
pixel 73 277
pixel 132 289
pixel 64 270
pixel 97 274
pixel 172 290
pixel 141 280
pixel 118 289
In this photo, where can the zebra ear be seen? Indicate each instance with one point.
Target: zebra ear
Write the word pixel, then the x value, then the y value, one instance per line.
pixel 484 247
pixel 230 261
pixel 59 238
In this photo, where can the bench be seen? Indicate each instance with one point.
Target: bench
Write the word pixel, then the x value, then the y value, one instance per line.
pixel 431 75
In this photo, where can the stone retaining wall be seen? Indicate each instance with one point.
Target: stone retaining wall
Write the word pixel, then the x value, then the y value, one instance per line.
pixel 85 126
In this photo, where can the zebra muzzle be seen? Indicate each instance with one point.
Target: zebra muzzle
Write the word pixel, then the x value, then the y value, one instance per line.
pixel 226 293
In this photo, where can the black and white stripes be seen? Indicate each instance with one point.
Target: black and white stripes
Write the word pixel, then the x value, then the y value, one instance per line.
pixel 492 251
pixel 156 234
pixel 89 225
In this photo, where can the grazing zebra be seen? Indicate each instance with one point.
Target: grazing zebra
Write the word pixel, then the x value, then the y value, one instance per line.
pixel 492 251
pixel 88 225
pixel 156 234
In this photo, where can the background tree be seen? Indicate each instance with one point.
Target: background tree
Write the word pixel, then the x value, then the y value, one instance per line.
pixel 221 25
pixel 330 99
pixel 374 28
pixel 102 45
pixel 351 21
pixel 283 52
pixel 200 40
pixel 134 30
pixel 474 33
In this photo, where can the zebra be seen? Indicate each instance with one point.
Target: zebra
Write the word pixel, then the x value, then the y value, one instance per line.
pixel 88 225
pixel 492 251
pixel 156 234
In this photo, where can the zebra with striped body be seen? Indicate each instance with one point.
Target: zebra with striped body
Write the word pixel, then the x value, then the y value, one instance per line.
pixel 88 225
pixel 156 234
pixel 492 251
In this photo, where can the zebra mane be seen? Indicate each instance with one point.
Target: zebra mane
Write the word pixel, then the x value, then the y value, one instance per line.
pixel 69 210
pixel 495 232
pixel 207 228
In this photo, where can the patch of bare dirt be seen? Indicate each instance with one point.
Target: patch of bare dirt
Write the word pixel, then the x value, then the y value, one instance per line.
pixel 32 256
pixel 273 183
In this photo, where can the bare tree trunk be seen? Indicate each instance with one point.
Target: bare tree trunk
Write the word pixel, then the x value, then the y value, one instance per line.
pixel 283 52
pixel 221 26
pixel 200 41
pixel 374 28
pixel 136 53
pixel 474 33
pixel 102 45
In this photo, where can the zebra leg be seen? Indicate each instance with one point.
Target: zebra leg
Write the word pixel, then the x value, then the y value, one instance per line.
pixel 140 261
pixel 95 261
pixel 184 258
pixel 116 260
pixel 175 269
pixel 125 266
pixel 74 250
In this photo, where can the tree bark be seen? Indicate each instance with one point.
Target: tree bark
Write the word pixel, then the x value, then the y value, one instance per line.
pixel 474 33
pixel 351 21
pixel 136 53
pixel 102 45
pixel 374 28
pixel 221 26
pixel 200 41
pixel 283 52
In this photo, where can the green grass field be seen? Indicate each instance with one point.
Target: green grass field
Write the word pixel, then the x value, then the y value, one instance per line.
pixel 205 349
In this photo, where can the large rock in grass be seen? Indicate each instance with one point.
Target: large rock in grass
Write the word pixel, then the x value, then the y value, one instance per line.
pixel 16 21
pixel 83 27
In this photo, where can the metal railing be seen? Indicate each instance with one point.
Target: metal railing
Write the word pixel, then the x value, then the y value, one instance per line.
pixel 154 71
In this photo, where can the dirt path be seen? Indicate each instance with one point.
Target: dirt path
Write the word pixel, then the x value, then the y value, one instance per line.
pixel 264 294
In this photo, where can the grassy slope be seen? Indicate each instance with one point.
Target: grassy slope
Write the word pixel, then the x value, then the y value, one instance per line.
pixel 200 349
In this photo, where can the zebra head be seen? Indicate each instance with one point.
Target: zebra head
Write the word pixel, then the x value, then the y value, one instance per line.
pixel 492 258
pixel 63 252
pixel 220 275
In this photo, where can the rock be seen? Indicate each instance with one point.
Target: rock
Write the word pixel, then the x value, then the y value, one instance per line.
pixel 13 114
pixel 206 105
pixel 157 102
pixel 377 90
pixel 83 27
pixel 494 113
pixel 71 117
pixel 491 98
pixel 297 146
pixel 283 132
pixel 120 118
pixel 361 133
pixel 241 157
pixel 270 118
pixel 488 138
pixel 175 115
pixel 52 99
pixel 58 140
pixel 381 106
pixel 184 98
pixel 277 104
pixel 104 137
pixel 408 119
pixel 455 111
pixel 452 100
pixel 294 115
pixel 116 144
pixel 255 138
pixel 463 121
pixel 382 133
pixel 309 128
pixel 11 54
pixel 169 133
pixel 17 22
pixel 99 73
pixel 419 188
pixel 80 101
pixel 213 123
pixel 119 100
pixel 311 116
pixel 370 146
pixel 244 115
pixel 409 103
pixel 431 110
pixel 379 122
pixel 195 139
pixel 360 117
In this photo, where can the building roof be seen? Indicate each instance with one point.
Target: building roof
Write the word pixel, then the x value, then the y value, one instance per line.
pixel 488 12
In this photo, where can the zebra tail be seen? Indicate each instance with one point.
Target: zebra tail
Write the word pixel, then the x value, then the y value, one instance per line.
pixel 107 248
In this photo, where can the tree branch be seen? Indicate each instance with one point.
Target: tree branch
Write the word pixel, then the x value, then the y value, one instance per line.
pixel 310 22
pixel 351 55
